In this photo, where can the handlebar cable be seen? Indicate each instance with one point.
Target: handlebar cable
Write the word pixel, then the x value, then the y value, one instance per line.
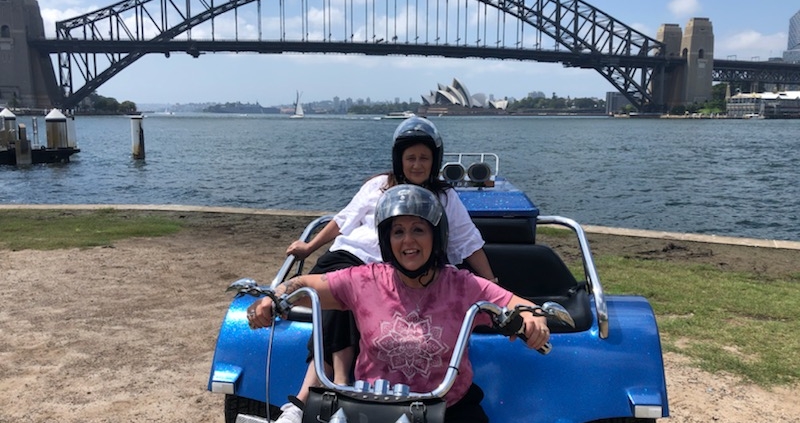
pixel 268 366
pixel 278 306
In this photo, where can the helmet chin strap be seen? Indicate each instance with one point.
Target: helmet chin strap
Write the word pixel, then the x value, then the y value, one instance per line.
pixel 414 273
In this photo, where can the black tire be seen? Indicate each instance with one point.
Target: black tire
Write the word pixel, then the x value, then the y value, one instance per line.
pixel 625 420
pixel 235 405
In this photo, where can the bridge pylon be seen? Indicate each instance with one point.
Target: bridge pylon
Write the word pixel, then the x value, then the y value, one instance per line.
pixel 671 86
pixel 689 76
pixel 697 47
pixel 27 79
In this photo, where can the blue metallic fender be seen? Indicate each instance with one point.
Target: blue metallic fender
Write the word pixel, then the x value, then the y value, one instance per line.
pixel 584 378
pixel 239 364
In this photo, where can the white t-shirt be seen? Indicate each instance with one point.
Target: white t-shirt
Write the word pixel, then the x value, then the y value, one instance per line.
pixel 359 236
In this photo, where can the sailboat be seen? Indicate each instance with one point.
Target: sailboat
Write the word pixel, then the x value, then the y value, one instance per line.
pixel 298 109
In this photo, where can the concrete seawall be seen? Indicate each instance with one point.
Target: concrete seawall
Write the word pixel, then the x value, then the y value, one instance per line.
pixel 747 242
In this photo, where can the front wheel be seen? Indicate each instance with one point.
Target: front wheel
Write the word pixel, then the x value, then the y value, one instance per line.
pixel 235 405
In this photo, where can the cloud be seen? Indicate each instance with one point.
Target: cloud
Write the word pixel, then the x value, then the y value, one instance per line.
pixel 749 44
pixel 643 28
pixel 684 8
pixel 51 16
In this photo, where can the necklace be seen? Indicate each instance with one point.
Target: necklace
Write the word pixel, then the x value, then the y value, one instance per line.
pixel 418 301
pixel 417 295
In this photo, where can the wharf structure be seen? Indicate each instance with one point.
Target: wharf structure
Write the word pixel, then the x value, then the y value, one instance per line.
pixel 770 105
pixel 17 149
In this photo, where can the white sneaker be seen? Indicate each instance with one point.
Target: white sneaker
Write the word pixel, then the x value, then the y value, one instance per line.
pixel 290 414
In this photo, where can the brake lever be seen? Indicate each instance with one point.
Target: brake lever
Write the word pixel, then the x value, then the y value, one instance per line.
pixel 280 305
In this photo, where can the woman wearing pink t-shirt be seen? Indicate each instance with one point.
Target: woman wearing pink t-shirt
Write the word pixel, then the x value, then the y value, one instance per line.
pixel 409 309
pixel 417 154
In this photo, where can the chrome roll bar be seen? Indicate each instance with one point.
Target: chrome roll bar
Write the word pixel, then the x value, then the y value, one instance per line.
pixel 291 260
pixel 589 269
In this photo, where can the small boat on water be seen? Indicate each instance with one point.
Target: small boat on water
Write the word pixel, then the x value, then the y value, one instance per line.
pixel 399 115
pixel 298 109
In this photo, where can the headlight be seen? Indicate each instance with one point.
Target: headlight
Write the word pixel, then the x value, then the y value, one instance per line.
pixel 453 172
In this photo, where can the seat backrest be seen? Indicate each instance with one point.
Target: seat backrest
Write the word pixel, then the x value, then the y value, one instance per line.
pixel 530 269
pixel 537 273
pixel 507 230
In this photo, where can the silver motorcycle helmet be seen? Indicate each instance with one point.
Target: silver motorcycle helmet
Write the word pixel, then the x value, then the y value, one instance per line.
pixel 413 131
pixel 412 200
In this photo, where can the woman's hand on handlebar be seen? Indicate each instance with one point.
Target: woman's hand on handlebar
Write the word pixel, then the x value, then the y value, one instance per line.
pixel 259 314
pixel 299 249
pixel 536 332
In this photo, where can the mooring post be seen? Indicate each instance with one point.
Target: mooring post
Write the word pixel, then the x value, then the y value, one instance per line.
pixel 56 127
pixel 137 137
pixel 23 150
pixel 72 134
pixel 35 138
pixel 8 132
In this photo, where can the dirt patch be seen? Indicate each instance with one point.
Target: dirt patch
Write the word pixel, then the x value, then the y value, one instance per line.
pixel 127 333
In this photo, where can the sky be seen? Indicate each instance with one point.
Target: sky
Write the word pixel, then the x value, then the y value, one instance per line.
pixel 743 30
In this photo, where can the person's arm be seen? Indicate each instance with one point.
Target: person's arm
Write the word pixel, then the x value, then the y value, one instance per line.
pixel 261 310
pixel 480 264
pixel 349 218
pixel 465 241
pixel 301 249
pixel 535 327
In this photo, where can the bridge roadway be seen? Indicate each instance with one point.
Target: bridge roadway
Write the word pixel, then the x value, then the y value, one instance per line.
pixel 771 72
pixel 197 47
pixel 582 36
pixel 723 70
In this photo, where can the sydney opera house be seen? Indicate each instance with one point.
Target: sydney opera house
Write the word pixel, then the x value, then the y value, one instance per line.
pixel 455 98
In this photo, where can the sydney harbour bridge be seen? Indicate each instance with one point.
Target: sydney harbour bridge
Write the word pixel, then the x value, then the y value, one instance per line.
pixel 652 74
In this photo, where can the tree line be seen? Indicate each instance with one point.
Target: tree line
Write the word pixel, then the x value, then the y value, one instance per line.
pixel 536 101
pixel 96 103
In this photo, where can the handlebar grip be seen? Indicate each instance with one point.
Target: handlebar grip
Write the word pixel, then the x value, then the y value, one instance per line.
pixel 544 349
pixel 514 325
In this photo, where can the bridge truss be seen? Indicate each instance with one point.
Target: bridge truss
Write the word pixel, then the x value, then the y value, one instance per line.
pixel 780 73
pixel 94 47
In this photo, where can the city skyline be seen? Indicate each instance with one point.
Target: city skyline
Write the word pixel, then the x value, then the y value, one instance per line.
pixel 739 31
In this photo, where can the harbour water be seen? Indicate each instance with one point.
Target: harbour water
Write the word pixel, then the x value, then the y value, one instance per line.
pixel 723 177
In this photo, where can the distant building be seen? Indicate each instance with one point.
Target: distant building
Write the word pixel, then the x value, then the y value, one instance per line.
pixel 792 53
pixel 779 105
pixel 457 94
pixel 615 102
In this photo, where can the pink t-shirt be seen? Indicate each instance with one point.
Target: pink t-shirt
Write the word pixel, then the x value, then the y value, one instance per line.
pixel 408 335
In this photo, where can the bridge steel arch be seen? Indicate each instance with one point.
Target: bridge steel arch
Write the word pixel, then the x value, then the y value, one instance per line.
pixel 102 43
pixel 118 28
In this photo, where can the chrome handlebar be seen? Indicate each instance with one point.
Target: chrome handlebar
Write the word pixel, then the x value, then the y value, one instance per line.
pixel 508 322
